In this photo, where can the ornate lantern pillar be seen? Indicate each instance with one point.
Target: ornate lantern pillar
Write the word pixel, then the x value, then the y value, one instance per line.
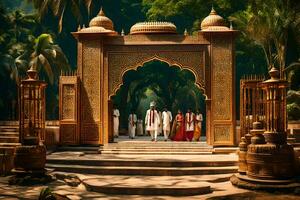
pixel 30 157
pixel 276 118
pixel 32 109
pixel 270 160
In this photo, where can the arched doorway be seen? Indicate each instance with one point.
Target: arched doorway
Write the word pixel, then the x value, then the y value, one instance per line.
pixel 170 86
pixel 104 56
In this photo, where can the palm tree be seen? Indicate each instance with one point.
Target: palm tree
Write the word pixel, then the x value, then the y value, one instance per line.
pixel 48 57
pixel 268 25
pixel 59 9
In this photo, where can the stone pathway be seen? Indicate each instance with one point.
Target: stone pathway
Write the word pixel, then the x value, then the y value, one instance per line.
pixel 221 190
pixel 204 158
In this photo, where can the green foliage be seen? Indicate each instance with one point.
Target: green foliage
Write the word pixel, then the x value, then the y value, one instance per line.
pixel 155 80
pixel 270 34
pixel 61 8
pixel 48 58
pixel 188 13
pixel 22 46
pixel 268 24
pixel 46 194
pixel 293 110
pixel 293 105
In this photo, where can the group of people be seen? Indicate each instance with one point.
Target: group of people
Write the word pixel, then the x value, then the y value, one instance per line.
pixel 184 128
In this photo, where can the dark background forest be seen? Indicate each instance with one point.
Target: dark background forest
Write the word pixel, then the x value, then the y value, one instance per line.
pixel 37 32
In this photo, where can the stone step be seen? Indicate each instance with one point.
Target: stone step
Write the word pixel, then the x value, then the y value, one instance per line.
pixel 84 149
pixel 8 139
pixel 160 152
pixel 225 150
pixel 140 163
pixel 155 147
pixel 11 134
pixel 158 149
pixel 9 144
pixel 9 129
pixel 128 185
pixel 144 171
pixel 157 144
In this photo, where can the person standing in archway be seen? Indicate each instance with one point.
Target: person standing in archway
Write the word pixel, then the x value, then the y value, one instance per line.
pixel 132 119
pixel 116 115
pixel 198 126
pixel 152 121
pixel 160 128
pixel 189 124
pixel 178 133
pixel 140 127
pixel 166 121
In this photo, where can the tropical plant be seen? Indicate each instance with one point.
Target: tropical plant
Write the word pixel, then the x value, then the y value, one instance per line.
pixel 60 8
pixel 48 57
pixel 268 24
pixel 46 194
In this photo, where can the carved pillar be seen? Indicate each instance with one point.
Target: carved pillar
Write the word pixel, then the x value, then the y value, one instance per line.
pixel 208 121
pixel 222 87
pixel 91 91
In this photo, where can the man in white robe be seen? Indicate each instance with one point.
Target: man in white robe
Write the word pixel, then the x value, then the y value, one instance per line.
pixel 160 128
pixel 152 121
pixel 166 121
pixel 132 119
pixel 116 115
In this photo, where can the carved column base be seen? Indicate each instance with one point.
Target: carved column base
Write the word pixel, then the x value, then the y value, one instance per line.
pixel 242 156
pixel 244 181
pixel 270 161
pixel 30 158
pixel 29 165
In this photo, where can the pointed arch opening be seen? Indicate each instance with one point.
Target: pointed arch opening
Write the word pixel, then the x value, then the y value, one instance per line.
pixel 169 84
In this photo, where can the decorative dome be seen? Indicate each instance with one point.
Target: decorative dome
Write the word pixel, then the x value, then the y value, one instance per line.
pixel 102 21
pixel 153 28
pixel 100 25
pixel 97 29
pixel 213 22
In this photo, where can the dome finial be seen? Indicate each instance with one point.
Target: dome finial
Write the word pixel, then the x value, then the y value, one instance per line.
pixel 122 32
pixel 185 32
pixel 101 12
pixel 231 26
pixel 274 73
pixel 213 12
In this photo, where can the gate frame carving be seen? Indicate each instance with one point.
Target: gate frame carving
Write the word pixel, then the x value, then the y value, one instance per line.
pixel 104 57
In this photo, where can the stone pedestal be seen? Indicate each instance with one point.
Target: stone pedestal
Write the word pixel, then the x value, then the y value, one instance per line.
pixel 270 161
pixel 242 156
pixel 6 160
pixel 29 163
pixel 30 159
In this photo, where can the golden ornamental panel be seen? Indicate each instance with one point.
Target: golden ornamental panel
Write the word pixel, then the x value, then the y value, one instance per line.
pixel 221 78
pixel 90 133
pixel 121 62
pixel 67 133
pixel 222 133
pixel 90 79
pixel 69 102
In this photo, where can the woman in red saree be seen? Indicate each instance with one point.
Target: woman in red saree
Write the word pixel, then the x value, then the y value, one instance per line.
pixel 178 133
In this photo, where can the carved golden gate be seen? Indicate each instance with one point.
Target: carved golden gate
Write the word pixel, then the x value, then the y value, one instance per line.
pixel 104 57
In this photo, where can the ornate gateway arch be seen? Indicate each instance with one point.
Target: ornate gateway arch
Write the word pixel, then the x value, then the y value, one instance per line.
pixel 104 56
